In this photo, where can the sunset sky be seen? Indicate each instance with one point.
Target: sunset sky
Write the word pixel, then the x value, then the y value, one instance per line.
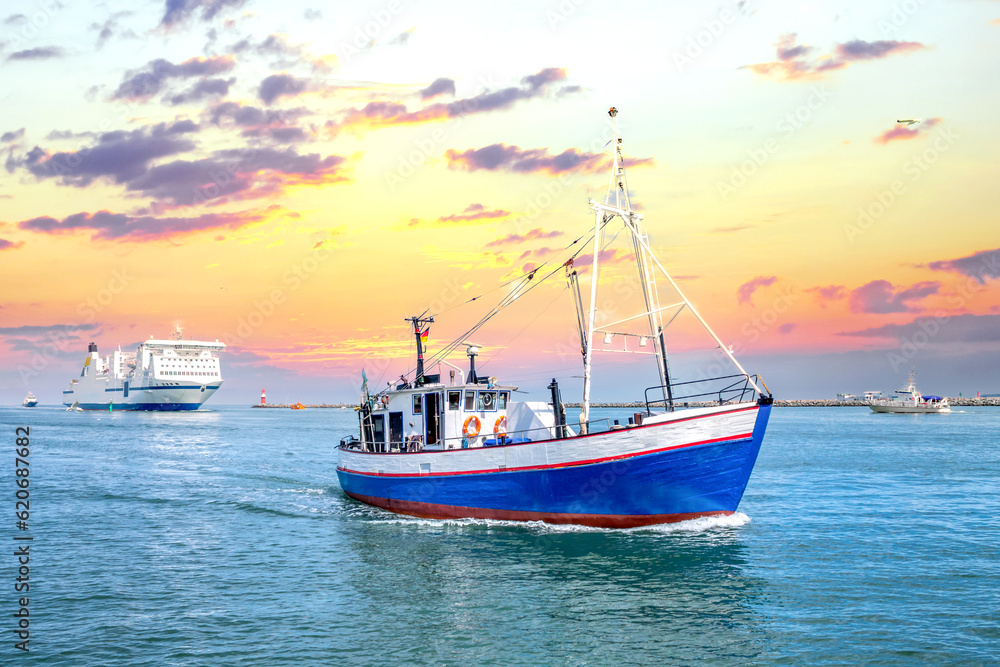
pixel 295 178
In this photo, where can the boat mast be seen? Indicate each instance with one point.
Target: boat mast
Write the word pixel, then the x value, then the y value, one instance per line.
pixel 589 343
pixel 647 278
pixel 418 322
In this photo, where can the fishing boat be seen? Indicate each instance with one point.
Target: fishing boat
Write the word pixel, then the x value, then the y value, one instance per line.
pixel 29 401
pixel 456 444
pixel 910 401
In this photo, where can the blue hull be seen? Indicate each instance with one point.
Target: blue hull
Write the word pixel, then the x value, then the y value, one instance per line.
pixel 660 487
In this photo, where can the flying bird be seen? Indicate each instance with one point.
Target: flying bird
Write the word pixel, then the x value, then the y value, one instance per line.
pixel 908 121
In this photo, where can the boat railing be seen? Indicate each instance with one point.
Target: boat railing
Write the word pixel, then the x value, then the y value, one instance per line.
pixel 736 388
pixel 415 443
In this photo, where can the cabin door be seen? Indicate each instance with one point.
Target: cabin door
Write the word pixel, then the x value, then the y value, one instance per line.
pixel 395 428
pixel 378 433
pixel 432 418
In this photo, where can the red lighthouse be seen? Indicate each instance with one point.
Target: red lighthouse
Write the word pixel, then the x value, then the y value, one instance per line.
pixel 263 397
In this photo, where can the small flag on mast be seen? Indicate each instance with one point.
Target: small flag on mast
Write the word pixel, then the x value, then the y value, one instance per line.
pixel 423 334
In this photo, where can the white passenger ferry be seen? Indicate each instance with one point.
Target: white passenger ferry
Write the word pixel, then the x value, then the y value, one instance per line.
pixel 172 374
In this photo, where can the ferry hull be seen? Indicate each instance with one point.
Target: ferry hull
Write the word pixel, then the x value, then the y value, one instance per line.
pixel 675 475
pixel 167 398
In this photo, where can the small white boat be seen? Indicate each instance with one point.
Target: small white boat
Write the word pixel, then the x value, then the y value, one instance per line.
pixel 910 400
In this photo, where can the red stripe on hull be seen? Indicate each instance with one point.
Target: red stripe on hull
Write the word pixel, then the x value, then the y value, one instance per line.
pixel 550 466
pixel 433 511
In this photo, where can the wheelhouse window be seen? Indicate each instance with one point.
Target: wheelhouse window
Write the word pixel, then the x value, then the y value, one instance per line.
pixel 470 401
pixel 454 400
pixel 416 404
pixel 488 400
pixel 502 400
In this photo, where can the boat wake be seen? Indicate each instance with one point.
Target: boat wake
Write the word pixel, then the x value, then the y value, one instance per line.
pixel 700 525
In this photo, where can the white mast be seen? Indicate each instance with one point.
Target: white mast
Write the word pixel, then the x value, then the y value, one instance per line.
pixel 645 261
pixel 589 348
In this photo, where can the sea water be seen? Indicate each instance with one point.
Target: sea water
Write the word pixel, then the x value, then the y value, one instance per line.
pixel 221 537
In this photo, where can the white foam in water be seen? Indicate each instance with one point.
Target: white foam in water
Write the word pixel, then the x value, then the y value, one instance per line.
pixel 703 524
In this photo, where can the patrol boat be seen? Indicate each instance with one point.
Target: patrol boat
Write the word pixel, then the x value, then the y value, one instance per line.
pixel 457 445
pixel 174 374
pixel 910 401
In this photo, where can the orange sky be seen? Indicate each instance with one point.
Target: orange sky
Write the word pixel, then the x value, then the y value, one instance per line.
pixel 295 180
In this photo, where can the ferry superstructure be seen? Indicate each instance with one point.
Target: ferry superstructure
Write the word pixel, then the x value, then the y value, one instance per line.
pixel 168 374
pixel 461 446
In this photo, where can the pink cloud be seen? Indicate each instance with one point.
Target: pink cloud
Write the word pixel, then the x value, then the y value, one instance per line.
pixel 530 235
pixel 901 132
pixel 796 62
pixel 746 290
pixel 879 296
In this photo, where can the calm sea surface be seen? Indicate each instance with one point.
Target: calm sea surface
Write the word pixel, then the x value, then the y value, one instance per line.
pixel 221 537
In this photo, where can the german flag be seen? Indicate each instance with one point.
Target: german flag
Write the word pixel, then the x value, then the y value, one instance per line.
pixel 423 335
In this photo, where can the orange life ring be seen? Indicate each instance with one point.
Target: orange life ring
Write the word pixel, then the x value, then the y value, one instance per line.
pixel 470 433
pixel 500 427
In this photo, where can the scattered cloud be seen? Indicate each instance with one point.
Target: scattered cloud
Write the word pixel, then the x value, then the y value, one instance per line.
pixel 38 53
pixel 474 213
pixel 797 61
pixel 312 15
pixel 250 116
pixel 10 245
pixel 948 330
pixel 287 53
pixel 106 225
pixel 402 38
pixel 730 230
pixel 979 266
pixel 110 28
pixel 241 173
pixel 501 157
pixel 13 135
pixel 438 87
pixel 34 330
pixel 201 90
pixel 120 155
pixel 745 291
pixel 143 83
pixel 382 113
pixel 176 11
pixel 879 296
pixel 281 85
pixel 516 239
pixel 828 293
pixel 900 131
pixel 787 328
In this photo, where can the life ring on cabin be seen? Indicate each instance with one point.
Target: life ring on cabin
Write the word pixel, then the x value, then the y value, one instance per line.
pixel 385 401
pixel 476 425
pixel 487 400
pixel 500 427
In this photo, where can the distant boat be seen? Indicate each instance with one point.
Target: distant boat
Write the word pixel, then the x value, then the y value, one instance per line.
pixel 298 406
pixel 909 401
pixel 29 401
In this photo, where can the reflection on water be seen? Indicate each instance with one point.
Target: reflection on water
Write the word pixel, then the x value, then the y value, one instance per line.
pixel 661 594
